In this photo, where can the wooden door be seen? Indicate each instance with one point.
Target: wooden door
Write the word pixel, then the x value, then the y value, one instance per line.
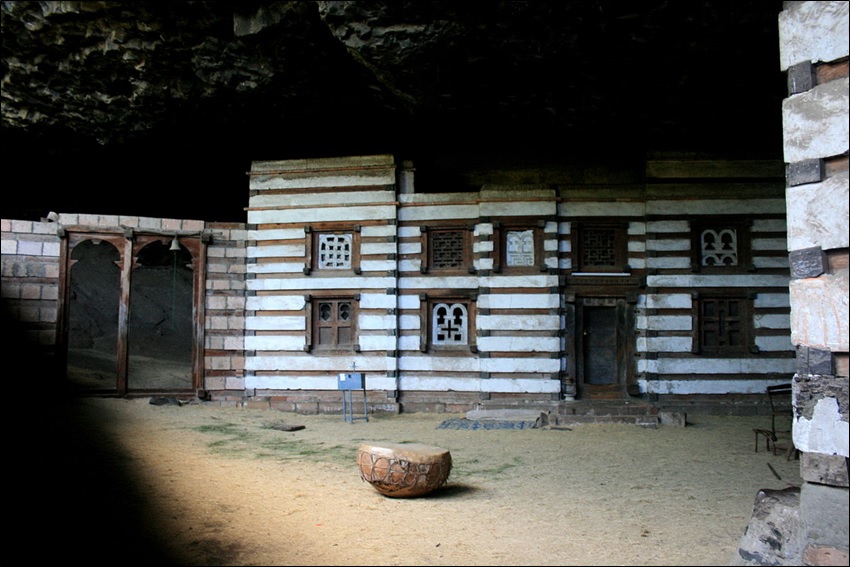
pixel 599 337
pixel 603 347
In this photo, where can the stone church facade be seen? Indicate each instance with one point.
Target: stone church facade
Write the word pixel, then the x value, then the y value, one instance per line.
pixel 536 288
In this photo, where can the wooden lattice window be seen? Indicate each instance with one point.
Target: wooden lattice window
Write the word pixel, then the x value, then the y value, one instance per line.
pixel 332 323
pixel 723 324
pixel 446 249
pixel 599 248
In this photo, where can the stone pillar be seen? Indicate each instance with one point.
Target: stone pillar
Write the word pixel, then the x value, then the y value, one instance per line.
pixel 813 53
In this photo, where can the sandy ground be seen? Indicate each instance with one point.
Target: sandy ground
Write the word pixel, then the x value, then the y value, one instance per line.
pixel 116 481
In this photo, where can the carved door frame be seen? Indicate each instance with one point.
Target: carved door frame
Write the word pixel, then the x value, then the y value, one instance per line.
pixel 575 383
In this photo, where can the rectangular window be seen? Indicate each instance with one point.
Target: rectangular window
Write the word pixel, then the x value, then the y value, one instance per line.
pixel 332 323
pixel 332 249
pixel 448 323
pixel 446 250
pixel 723 324
pixel 599 248
pixel 334 252
pixel 518 246
pixel 720 245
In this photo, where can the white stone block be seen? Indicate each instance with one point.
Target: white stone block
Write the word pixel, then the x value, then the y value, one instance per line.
pixel 519 301
pixel 519 344
pixel 812 31
pixel 518 322
pixel 378 248
pixel 275 303
pixel 771 300
pixel 664 322
pixel 819 313
pixel 775 343
pixel 275 323
pixel 816 211
pixel 276 251
pixel 333 214
pixel 275 343
pixel 377 301
pixel 668 301
pixel 815 122
pixel 771 321
pixel 741 280
pixel 276 234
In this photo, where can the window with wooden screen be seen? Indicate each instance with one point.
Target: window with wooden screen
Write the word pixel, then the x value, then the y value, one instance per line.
pixel 599 248
pixel 446 249
pixel 723 324
pixel 332 324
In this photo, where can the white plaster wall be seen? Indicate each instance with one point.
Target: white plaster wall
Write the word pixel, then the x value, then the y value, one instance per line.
pixel 275 342
pixel 708 366
pixel 826 432
pixel 719 386
pixel 715 207
pixel 275 303
pixel 276 234
pixel 519 344
pixel 311 199
pixel 743 280
pixel 606 209
pixel 276 268
pixel 331 214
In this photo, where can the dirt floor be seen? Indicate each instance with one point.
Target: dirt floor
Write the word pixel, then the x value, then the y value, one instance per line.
pixel 117 481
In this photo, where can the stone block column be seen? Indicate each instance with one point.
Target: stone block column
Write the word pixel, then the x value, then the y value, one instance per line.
pixel 814 53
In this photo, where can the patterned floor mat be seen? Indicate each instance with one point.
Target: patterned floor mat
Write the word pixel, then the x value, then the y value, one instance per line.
pixel 461 423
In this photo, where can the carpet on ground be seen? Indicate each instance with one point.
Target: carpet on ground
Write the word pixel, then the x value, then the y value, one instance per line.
pixel 463 423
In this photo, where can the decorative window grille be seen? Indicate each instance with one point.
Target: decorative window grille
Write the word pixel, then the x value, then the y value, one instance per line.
pixel 719 247
pixel 334 252
pixel 520 248
pixel 450 324
pixel 334 322
pixel 447 248
pixel 598 248
pixel 722 323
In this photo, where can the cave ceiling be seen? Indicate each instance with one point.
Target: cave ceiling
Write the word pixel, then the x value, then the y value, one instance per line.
pixel 158 108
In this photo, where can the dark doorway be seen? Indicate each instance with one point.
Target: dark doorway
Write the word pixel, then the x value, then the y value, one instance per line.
pixel 599 335
pixel 603 347
pixel 93 301
pixel 160 328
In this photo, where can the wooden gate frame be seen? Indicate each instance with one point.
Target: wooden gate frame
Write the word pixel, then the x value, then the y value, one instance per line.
pixel 129 243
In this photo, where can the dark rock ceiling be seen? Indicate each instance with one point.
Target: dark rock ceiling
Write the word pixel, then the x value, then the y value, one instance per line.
pixel 158 108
